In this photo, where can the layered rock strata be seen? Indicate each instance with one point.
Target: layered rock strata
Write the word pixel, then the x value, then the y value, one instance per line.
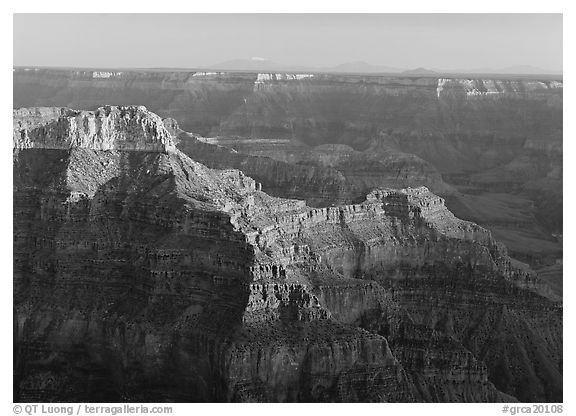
pixel 108 128
pixel 322 175
pixel 134 261
pixel 485 136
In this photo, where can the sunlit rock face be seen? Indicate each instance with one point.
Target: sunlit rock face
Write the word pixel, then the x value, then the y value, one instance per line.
pixel 132 262
pixel 475 87
pixel 491 145
pixel 107 128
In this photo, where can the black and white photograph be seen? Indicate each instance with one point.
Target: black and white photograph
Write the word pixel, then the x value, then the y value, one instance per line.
pixel 286 208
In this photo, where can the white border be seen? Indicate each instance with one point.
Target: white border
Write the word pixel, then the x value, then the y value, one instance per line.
pixel 306 6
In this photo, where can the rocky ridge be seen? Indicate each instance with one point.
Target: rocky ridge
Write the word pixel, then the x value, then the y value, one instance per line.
pixel 479 139
pixel 325 175
pixel 478 87
pixel 107 128
pixel 131 261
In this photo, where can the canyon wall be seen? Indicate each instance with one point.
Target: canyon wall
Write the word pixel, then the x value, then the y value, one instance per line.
pixel 134 262
pixel 491 146
pixel 107 128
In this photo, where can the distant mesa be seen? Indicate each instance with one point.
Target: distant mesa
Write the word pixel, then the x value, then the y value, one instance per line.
pixel 363 67
pixel 263 64
pixel 420 71
pixel 510 70
pixel 254 63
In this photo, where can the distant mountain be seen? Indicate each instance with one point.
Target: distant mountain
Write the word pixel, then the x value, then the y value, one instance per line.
pixel 420 71
pixel 260 64
pixel 362 67
pixel 510 70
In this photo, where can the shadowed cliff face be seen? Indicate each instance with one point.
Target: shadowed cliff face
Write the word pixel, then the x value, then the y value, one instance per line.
pixel 130 265
pixel 136 262
pixel 493 147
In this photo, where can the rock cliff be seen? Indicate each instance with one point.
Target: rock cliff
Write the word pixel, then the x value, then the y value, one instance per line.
pixel 133 261
pixel 491 145
pixel 318 185
pixel 108 128
pixel 357 171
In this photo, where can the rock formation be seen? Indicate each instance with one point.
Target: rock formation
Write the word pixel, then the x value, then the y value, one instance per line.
pixel 492 146
pixel 133 262
pixel 310 169
pixel 108 128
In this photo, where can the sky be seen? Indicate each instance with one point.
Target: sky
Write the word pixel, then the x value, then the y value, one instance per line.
pixel 438 41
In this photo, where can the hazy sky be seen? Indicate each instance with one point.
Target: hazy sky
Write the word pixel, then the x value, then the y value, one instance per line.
pixel 443 41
